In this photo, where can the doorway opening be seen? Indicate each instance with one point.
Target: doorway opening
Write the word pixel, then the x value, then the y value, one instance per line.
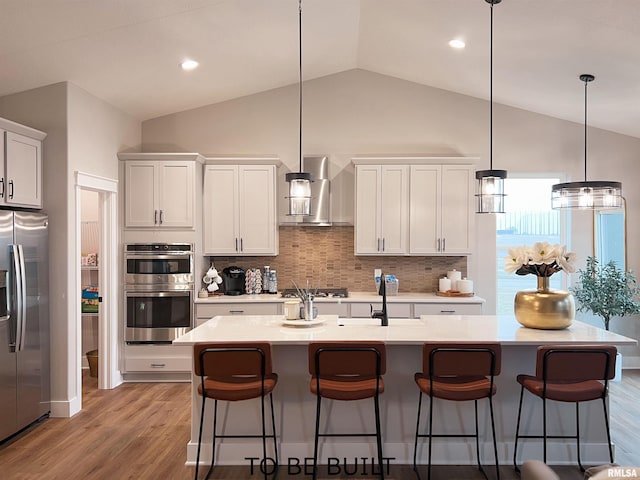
pixel 100 196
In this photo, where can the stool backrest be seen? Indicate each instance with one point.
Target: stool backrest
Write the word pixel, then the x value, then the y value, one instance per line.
pixel 232 359
pixel 461 359
pixel 576 363
pixel 336 359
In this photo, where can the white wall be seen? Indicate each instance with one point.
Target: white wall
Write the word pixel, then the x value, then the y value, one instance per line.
pixel 359 112
pixel 83 133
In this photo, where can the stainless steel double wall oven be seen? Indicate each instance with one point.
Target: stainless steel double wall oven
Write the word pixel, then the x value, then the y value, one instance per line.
pixel 159 289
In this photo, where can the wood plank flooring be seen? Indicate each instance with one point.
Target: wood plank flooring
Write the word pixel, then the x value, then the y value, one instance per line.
pixel 140 431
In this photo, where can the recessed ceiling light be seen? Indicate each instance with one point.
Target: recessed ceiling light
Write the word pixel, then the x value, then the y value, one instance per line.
pixel 189 65
pixel 456 43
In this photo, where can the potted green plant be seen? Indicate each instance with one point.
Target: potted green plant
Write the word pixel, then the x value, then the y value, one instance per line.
pixel 606 291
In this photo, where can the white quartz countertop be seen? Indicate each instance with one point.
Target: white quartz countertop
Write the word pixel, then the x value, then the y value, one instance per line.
pixel 354 297
pixel 472 328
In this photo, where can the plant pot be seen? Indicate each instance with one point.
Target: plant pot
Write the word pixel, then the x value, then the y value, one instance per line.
pixel 544 308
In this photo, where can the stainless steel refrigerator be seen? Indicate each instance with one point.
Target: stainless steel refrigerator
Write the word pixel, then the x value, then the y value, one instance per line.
pixel 24 320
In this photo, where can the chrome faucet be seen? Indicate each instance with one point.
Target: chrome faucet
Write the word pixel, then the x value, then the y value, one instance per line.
pixel 382 314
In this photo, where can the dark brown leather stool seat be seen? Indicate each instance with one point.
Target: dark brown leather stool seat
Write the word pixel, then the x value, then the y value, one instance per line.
pixel 235 372
pixel 458 372
pixel 568 373
pixel 347 371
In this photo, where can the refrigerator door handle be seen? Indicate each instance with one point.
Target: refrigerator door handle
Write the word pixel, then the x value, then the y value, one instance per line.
pixel 23 300
pixel 16 250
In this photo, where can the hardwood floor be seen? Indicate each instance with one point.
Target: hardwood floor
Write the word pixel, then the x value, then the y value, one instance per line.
pixel 139 431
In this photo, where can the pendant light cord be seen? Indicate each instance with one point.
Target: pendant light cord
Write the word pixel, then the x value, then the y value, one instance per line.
pixel 491 95
pixel 300 80
pixel 586 82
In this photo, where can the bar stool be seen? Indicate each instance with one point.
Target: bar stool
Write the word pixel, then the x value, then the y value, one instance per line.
pixel 458 372
pixel 347 371
pixel 234 372
pixel 568 373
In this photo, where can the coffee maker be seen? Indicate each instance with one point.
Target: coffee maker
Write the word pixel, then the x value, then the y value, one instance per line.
pixel 233 279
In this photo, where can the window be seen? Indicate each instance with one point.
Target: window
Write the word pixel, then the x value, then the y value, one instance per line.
pixel 610 237
pixel 528 218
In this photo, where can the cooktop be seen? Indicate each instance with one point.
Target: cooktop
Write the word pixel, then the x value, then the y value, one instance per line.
pixel 322 293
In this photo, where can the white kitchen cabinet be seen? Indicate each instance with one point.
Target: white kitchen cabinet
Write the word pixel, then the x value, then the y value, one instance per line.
pixel 21 165
pixel 159 194
pixel 447 309
pixel 157 359
pixel 440 209
pixel 394 310
pixel 381 216
pixel 206 311
pixel 240 209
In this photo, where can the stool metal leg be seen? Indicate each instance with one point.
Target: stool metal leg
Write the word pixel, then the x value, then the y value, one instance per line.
pixel 493 431
pixel 606 422
pixel 273 425
pixel 475 407
pixel 315 440
pixel 378 435
pixel 430 434
pixel 200 437
pixel 578 435
pixel 515 446
pixel 544 429
pixel 415 445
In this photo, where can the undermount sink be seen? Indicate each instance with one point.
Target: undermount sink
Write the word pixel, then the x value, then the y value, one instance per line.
pixel 373 322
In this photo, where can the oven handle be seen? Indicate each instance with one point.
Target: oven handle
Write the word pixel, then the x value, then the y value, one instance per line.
pixel 158 256
pixel 146 293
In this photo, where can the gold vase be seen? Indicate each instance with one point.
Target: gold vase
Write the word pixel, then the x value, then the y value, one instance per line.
pixel 544 308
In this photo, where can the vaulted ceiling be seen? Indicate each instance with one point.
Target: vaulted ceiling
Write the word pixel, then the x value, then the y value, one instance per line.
pixel 127 51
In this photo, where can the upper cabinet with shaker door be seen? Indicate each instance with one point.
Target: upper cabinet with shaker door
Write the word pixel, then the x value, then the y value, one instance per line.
pixel 413 205
pixel 21 166
pixel 441 209
pixel 160 189
pixel 240 208
pixel 381 211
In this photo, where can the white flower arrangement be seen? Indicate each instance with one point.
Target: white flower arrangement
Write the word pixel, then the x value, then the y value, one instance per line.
pixel 542 259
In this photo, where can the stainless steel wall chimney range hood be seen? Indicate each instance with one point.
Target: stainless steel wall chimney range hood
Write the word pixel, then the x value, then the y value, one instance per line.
pixel 318 167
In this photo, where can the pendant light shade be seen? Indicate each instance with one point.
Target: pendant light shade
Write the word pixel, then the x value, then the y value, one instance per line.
pixel 490 183
pixel 299 182
pixel 587 194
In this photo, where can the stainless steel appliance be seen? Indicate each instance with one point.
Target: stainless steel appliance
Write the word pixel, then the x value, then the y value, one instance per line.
pixel 318 167
pixel 24 320
pixel 159 290
pixel 321 293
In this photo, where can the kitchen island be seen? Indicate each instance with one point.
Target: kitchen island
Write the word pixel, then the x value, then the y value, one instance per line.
pixel 295 405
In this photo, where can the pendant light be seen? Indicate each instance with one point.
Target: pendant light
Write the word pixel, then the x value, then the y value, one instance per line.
pixel 299 182
pixel 490 183
pixel 587 194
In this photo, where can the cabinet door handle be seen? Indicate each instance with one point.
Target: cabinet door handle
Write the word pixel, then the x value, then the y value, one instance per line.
pixel 158 365
pixel 383 244
pixel 447 311
pixel 2 191
pixel 378 245
pixel 438 247
pixel 236 244
pixel 10 188
pixel 161 217
pixel 155 217
pixel 241 246
pixel 236 312
pixel 444 247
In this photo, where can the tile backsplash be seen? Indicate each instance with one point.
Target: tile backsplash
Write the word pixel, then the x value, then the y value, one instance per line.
pixel 324 256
